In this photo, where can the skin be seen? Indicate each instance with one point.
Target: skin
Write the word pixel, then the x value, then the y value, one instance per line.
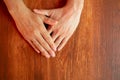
pixel 62 24
pixel 31 27
pixel 68 18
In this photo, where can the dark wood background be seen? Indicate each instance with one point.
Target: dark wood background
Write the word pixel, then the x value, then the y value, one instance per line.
pixel 92 53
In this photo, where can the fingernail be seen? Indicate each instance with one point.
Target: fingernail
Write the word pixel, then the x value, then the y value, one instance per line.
pixel 59 49
pixel 48 56
pixel 38 51
pixel 52 54
pixel 35 10
pixel 54 48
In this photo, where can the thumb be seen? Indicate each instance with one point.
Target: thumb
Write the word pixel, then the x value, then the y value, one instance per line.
pixel 42 12
pixel 50 21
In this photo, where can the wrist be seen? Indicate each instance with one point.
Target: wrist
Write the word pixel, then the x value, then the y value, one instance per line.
pixel 18 9
pixel 74 5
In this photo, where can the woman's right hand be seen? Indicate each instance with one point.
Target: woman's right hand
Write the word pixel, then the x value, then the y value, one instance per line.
pixel 31 26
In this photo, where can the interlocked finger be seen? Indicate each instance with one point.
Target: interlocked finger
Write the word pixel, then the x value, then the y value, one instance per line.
pixel 59 40
pixel 54 35
pixel 48 39
pixel 43 51
pixel 44 44
pixel 64 41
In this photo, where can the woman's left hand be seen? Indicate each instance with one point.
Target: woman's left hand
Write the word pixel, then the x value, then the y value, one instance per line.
pixel 68 20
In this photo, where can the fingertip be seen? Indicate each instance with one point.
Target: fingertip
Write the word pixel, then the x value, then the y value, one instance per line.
pixel 60 48
pixel 38 51
pixel 53 54
pixel 54 48
pixel 47 56
pixel 35 10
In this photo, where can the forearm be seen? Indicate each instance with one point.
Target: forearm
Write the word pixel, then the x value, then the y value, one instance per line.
pixel 75 4
pixel 15 6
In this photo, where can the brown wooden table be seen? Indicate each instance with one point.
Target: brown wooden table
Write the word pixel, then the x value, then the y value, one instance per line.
pixel 92 53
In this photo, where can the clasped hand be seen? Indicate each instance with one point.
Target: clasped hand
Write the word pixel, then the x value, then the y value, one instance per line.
pixel 62 23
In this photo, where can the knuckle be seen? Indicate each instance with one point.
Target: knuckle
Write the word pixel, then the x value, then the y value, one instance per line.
pixel 28 38
pixel 35 33
pixel 30 33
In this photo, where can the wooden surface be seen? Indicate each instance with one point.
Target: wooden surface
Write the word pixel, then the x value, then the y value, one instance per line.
pixel 92 53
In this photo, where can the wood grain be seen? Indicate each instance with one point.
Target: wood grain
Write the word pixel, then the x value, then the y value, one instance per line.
pixel 92 53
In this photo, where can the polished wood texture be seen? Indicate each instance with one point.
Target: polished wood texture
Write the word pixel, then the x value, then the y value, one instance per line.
pixel 92 53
